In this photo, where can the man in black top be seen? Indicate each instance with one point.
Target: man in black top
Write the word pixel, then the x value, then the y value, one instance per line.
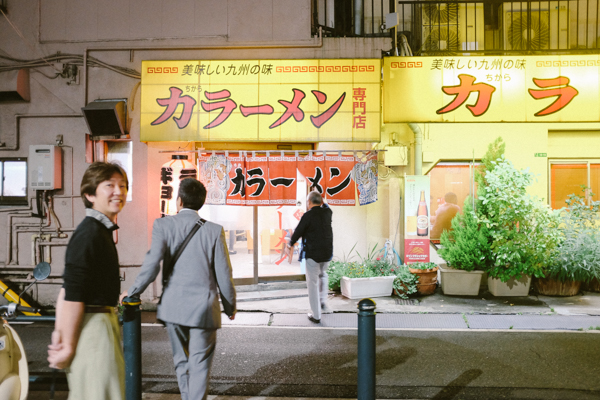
pixel 86 340
pixel 315 229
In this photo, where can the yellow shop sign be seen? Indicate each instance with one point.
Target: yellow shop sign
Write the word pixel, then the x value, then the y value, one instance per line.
pixel 261 100
pixel 492 89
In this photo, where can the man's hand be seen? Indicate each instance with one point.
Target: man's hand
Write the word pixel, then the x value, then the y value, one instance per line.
pixel 59 355
pixel 122 296
pixel 232 317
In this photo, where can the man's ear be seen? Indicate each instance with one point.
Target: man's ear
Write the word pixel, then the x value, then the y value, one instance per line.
pixel 179 203
pixel 90 198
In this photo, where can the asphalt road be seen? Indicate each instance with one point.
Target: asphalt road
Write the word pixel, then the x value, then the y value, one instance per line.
pixel 309 362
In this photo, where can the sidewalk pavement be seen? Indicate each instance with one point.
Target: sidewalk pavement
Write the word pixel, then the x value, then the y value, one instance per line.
pixel 292 297
pixel 286 304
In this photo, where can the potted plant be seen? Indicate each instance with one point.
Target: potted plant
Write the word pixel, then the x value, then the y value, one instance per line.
pixel 523 230
pixel 467 250
pixel 358 279
pixel 578 258
pixel 404 284
pixel 427 274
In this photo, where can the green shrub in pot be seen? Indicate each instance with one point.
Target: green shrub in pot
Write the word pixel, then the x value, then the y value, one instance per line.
pixel 578 258
pixel 524 231
pixel 468 245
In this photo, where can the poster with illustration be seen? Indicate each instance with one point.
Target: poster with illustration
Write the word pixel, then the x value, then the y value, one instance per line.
pixel 416 218
pixel 366 177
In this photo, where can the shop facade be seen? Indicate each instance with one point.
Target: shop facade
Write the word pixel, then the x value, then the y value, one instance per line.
pixel 96 55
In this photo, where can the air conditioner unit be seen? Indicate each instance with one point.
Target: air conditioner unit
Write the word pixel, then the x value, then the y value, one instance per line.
pixel 545 26
pixel 452 27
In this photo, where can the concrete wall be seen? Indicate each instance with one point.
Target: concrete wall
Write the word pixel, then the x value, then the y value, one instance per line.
pixel 208 30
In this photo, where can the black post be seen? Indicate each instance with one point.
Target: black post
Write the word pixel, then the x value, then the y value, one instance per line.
pixel 366 349
pixel 132 348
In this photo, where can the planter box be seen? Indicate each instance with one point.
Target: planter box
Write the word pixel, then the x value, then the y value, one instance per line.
pixel 460 283
pixel 552 287
pixel 592 286
pixel 427 280
pixel 511 288
pixel 358 288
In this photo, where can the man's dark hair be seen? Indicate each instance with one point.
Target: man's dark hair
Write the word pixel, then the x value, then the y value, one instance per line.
pixel 192 193
pixel 97 173
pixel 315 198
pixel 451 197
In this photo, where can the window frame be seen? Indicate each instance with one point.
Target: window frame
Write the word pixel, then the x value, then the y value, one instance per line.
pixel 14 200
pixel 571 161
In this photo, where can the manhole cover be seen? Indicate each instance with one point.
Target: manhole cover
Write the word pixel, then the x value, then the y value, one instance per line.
pixel 407 302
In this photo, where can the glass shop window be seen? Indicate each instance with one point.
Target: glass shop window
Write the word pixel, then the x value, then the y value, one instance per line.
pixel 451 183
pixel 13 188
pixel 121 152
pixel 567 177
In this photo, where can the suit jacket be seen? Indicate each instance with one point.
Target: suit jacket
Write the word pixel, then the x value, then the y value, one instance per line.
pixel 191 296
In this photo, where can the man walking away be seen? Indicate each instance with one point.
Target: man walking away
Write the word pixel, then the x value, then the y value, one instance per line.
pixel 315 229
pixel 189 305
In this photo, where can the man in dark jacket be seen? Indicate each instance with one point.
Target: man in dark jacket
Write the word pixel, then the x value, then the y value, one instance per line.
pixel 315 229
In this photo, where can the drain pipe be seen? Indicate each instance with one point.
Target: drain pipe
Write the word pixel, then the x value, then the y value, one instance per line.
pixel 358 17
pixel 418 147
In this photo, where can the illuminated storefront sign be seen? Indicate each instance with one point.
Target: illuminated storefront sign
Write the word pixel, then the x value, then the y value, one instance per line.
pixel 171 173
pixel 270 179
pixel 261 100
pixel 492 89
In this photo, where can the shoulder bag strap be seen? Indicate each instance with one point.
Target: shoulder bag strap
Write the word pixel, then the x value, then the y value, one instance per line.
pixel 168 269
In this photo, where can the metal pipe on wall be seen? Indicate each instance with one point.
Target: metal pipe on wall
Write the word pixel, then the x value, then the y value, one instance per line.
pixel 418 147
pixel 358 17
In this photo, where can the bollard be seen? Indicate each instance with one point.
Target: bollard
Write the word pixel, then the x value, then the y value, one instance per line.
pixel 366 350
pixel 132 348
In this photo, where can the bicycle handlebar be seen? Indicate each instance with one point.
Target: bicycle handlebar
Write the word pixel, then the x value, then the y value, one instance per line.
pixel 12 309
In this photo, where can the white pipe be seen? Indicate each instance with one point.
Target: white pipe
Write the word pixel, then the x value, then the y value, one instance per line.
pixel 418 147
pixel 358 17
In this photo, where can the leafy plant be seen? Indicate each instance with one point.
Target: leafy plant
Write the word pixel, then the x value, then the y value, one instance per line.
pixel 578 258
pixel 468 245
pixel 372 266
pixel 405 282
pixel 422 265
pixel 338 269
pixel 523 229
pixel 494 152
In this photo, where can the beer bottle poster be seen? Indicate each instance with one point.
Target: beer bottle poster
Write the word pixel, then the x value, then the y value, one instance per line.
pixel 416 219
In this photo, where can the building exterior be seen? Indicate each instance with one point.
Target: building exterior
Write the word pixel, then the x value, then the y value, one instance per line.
pixel 59 57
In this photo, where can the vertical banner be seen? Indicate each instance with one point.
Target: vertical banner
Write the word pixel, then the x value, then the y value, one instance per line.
pixel 339 182
pixel 416 219
pixel 214 174
pixel 236 196
pixel 312 167
pixel 366 177
pixel 282 179
pixel 257 173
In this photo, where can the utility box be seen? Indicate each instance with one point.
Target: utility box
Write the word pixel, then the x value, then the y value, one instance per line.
pixel 45 167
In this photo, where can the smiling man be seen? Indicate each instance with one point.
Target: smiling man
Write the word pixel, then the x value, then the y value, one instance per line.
pixel 86 340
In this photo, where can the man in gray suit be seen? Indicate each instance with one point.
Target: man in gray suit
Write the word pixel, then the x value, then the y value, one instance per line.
pixel 189 305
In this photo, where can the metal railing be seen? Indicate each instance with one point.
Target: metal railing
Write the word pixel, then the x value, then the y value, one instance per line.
pixel 469 26
pixel 351 18
pixel 501 27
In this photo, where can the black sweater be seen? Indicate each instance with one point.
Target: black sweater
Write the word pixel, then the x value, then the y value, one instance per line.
pixel 315 229
pixel 92 265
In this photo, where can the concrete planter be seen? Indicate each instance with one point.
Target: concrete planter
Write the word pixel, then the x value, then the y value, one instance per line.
pixel 460 283
pixel 511 288
pixel 358 288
